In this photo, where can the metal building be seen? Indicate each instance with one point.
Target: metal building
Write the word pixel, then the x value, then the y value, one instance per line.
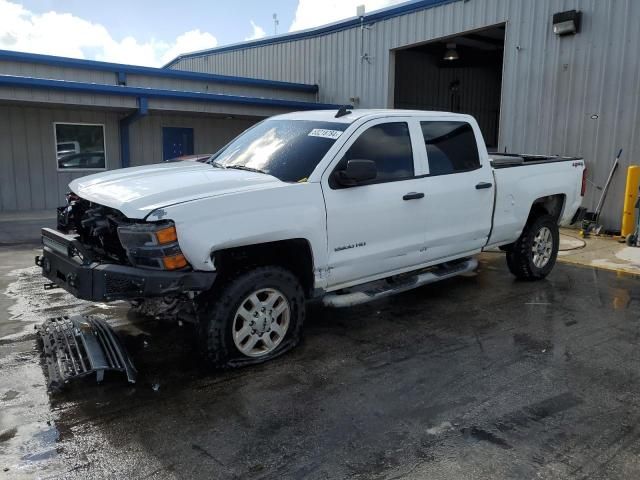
pixel 63 118
pixel 571 88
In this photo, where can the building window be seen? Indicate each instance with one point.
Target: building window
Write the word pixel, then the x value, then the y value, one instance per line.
pixel 79 146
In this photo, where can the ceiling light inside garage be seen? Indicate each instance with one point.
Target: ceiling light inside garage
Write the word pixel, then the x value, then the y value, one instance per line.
pixel 451 53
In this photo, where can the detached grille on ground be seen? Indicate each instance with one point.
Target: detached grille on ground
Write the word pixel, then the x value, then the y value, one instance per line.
pixel 77 346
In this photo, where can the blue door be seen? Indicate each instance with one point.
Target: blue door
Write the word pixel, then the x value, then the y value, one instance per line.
pixel 176 142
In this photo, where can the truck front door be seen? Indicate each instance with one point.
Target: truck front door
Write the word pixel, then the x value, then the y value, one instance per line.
pixel 375 228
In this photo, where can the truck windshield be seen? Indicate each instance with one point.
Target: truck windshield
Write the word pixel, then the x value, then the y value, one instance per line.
pixel 287 149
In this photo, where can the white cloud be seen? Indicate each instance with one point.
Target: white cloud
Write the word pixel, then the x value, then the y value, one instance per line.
pixel 312 13
pixel 258 32
pixel 64 34
pixel 190 41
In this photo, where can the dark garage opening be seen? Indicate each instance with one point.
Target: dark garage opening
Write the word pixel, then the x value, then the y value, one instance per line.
pixel 461 74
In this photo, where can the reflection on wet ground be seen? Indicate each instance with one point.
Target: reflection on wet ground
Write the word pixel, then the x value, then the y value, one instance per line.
pixel 481 377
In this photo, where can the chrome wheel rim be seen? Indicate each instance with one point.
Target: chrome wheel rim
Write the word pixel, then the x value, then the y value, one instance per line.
pixel 261 322
pixel 542 247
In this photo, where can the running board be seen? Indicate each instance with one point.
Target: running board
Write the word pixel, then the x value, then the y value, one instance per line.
pixel 380 289
pixel 78 346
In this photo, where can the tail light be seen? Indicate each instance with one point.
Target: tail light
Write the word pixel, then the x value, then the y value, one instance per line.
pixel 583 189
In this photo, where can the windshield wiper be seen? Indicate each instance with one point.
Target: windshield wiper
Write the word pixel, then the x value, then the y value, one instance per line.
pixel 248 169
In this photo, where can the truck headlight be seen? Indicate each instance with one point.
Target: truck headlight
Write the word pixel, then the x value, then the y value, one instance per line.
pixel 152 245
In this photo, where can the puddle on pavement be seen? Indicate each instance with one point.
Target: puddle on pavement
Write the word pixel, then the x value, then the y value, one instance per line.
pixel 36 429
pixel 30 304
pixel 30 420
pixel 621 298
pixel 478 434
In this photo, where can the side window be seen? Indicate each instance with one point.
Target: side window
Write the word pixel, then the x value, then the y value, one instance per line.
pixel 451 147
pixel 387 144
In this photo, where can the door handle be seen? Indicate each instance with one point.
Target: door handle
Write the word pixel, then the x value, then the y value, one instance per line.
pixel 482 185
pixel 413 196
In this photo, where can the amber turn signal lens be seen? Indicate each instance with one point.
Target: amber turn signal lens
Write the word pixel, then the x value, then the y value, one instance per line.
pixel 174 262
pixel 167 235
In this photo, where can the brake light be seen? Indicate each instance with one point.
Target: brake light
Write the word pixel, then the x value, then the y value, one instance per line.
pixel 583 189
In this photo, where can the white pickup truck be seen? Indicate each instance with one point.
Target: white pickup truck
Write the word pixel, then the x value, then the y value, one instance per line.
pixel 345 207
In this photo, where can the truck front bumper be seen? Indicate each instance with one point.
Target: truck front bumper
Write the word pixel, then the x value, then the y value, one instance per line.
pixel 67 264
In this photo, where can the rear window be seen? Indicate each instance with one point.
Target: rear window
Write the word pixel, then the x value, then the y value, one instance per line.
pixel 287 149
pixel 451 147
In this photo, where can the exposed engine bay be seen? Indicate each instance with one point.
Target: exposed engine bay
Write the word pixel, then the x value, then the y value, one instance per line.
pixel 96 226
pixel 112 238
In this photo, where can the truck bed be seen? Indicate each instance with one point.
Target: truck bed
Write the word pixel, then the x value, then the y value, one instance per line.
pixel 508 160
pixel 518 188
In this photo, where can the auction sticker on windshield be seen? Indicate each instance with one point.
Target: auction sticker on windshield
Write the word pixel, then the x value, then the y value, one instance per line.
pixel 324 133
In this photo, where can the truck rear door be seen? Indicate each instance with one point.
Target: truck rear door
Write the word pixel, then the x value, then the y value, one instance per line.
pixel 459 188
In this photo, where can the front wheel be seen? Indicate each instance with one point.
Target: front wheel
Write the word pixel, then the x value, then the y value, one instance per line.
pixel 252 318
pixel 534 254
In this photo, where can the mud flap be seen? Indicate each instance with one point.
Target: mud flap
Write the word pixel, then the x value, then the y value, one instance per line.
pixel 78 346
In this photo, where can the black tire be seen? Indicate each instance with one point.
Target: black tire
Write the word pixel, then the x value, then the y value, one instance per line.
pixel 216 312
pixel 520 258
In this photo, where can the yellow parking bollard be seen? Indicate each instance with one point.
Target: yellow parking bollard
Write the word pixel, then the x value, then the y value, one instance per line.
pixel 630 199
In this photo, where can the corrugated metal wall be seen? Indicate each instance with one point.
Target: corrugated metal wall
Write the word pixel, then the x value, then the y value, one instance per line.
pixel 552 87
pixel 29 179
pixel 209 134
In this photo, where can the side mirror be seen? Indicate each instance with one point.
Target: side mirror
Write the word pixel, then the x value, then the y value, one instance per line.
pixel 357 171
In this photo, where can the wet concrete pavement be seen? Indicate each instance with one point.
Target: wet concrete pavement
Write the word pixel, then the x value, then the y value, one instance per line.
pixel 478 377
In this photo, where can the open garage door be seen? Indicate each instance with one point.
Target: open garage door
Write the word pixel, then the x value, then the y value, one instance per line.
pixel 461 74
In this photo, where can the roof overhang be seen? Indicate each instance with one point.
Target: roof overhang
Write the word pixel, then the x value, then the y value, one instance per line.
pixel 116 68
pixel 142 92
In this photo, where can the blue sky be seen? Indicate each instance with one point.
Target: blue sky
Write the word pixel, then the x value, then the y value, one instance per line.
pixel 145 32
pixel 228 21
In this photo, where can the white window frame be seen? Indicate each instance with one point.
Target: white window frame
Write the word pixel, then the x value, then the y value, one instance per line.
pixel 104 141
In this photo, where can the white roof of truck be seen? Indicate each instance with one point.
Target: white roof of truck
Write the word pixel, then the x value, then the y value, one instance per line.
pixel 330 115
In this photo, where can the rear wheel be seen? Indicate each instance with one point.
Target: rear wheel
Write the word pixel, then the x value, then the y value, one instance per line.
pixel 251 318
pixel 534 254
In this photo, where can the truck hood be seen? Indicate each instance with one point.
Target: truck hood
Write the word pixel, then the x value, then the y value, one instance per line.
pixel 137 191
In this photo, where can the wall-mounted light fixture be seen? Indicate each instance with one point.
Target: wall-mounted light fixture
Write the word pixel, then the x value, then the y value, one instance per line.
pixel 451 53
pixel 567 23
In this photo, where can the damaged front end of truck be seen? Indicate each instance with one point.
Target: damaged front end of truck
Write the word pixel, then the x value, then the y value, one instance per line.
pixel 98 254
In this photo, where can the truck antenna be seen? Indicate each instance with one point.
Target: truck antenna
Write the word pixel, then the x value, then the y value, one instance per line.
pixel 344 110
